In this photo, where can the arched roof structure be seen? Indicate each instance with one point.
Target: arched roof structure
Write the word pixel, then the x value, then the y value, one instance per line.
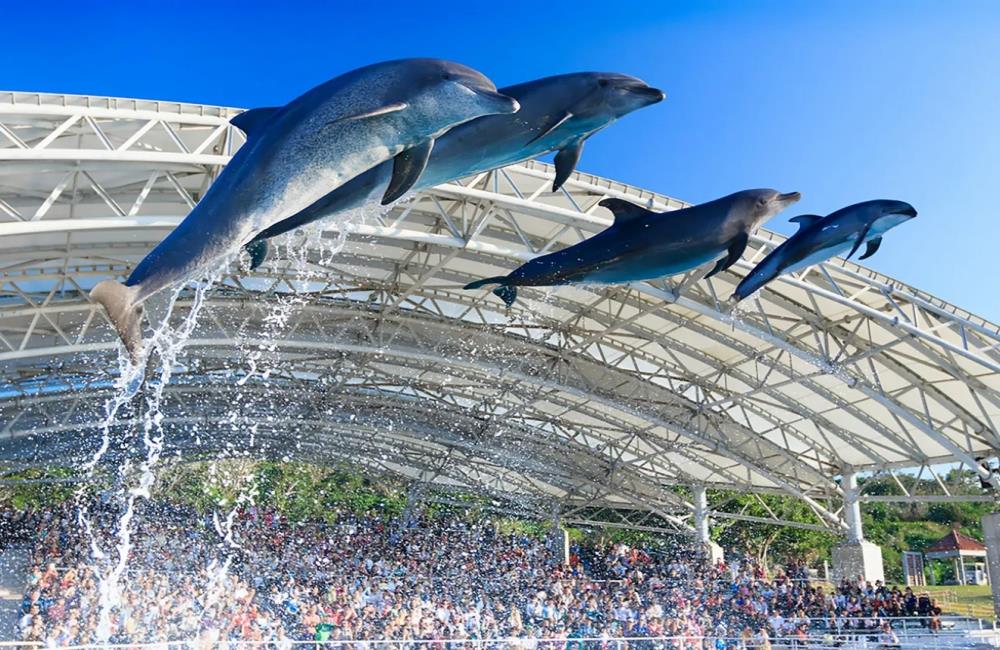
pixel 586 397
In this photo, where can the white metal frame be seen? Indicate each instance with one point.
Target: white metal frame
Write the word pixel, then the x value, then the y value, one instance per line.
pixel 836 369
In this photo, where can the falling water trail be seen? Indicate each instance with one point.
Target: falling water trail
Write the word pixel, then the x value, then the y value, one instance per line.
pixel 218 570
pixel 735 315
pixel 738 317
pixel 303 277
pixel 166 343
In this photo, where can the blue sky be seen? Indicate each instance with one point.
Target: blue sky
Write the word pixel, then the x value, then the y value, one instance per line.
pixel 844 102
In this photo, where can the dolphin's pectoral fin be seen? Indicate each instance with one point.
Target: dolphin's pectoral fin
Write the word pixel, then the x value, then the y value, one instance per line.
pixel 719 266
pixel 566 161
pixel 805 220
pixel 861 239
pixel 253 120
pixel 552 126
pixel 872 248
pixel 623 210
pixel 407 167
pixel 506 293
pixel 375 112
pixel 257 250
pixel 735 253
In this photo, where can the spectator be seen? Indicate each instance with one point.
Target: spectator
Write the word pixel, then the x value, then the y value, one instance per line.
pixel 431 578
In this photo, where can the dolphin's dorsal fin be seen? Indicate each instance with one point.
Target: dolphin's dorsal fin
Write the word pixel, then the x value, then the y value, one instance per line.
pixel 566 161
pixel 805 220
pixel 407 167
pixel 623 210
pixel 552 125
pixel 251 121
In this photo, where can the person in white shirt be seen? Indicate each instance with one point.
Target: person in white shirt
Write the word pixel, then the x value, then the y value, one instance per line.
pixel 887 638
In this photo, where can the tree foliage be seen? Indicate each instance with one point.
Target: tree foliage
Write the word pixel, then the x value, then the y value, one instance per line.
pixel 306 492
pixel 767 542
pixel 32 489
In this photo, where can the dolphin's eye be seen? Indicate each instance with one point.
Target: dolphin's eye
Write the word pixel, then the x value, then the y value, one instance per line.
pixel 447 76
pixel 603 83
pixel 761 202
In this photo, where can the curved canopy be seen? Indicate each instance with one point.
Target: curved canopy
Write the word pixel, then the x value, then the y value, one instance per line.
pixel 585 397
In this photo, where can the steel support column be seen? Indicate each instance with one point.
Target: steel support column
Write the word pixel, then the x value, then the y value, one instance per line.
pixel 701 514
pixel 852 508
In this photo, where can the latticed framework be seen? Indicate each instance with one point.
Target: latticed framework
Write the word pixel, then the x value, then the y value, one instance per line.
pixel 586 399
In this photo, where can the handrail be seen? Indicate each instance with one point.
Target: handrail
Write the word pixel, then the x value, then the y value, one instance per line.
pixel 813 642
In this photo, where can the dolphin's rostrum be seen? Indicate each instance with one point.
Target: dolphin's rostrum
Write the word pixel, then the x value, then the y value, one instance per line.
pixel 820 238
pixel 557 114
pixel 642 245
pixel 296 154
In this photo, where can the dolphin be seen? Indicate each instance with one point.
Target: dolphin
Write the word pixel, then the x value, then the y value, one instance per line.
pixel 557 114
pixel 642 245
pixel 820 238
pixel 298 153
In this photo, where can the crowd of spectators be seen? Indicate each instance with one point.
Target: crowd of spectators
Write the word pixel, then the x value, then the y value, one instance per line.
pixel 439 579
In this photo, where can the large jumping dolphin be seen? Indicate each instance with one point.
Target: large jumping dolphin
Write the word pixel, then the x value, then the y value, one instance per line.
pixel 296 154
pixel 557 114
pixel 820 238
pixel 642 245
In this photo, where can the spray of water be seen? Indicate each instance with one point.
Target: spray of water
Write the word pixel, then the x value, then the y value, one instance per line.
pixel 111 555
pixel 217 569
pixel 166 344
pixel 305 275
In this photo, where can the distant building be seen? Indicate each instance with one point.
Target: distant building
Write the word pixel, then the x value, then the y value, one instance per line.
pixel 967 554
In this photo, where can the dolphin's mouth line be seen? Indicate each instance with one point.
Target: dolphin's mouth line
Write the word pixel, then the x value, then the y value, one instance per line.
pixel 493 95
pixel 653 94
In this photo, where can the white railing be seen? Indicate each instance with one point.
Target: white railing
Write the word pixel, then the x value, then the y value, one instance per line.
pixel 826 642
pixel 854 640
pixel 899 623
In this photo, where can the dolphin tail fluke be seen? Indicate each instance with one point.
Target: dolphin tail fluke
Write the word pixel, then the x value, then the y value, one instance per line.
pixel 125 315
pixel 500 279
pixel 257 250
pixel 506 293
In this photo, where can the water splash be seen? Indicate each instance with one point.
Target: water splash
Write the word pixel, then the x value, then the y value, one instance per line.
pixel 217 569
pixel 739 314
pixel 111 546
pixel 735 314
pixel 306 255
pixel 165 345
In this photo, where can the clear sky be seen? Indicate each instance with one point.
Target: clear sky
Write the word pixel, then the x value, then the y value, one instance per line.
pixel 844 102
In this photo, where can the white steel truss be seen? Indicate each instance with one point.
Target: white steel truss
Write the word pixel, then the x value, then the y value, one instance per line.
pixel 594 397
